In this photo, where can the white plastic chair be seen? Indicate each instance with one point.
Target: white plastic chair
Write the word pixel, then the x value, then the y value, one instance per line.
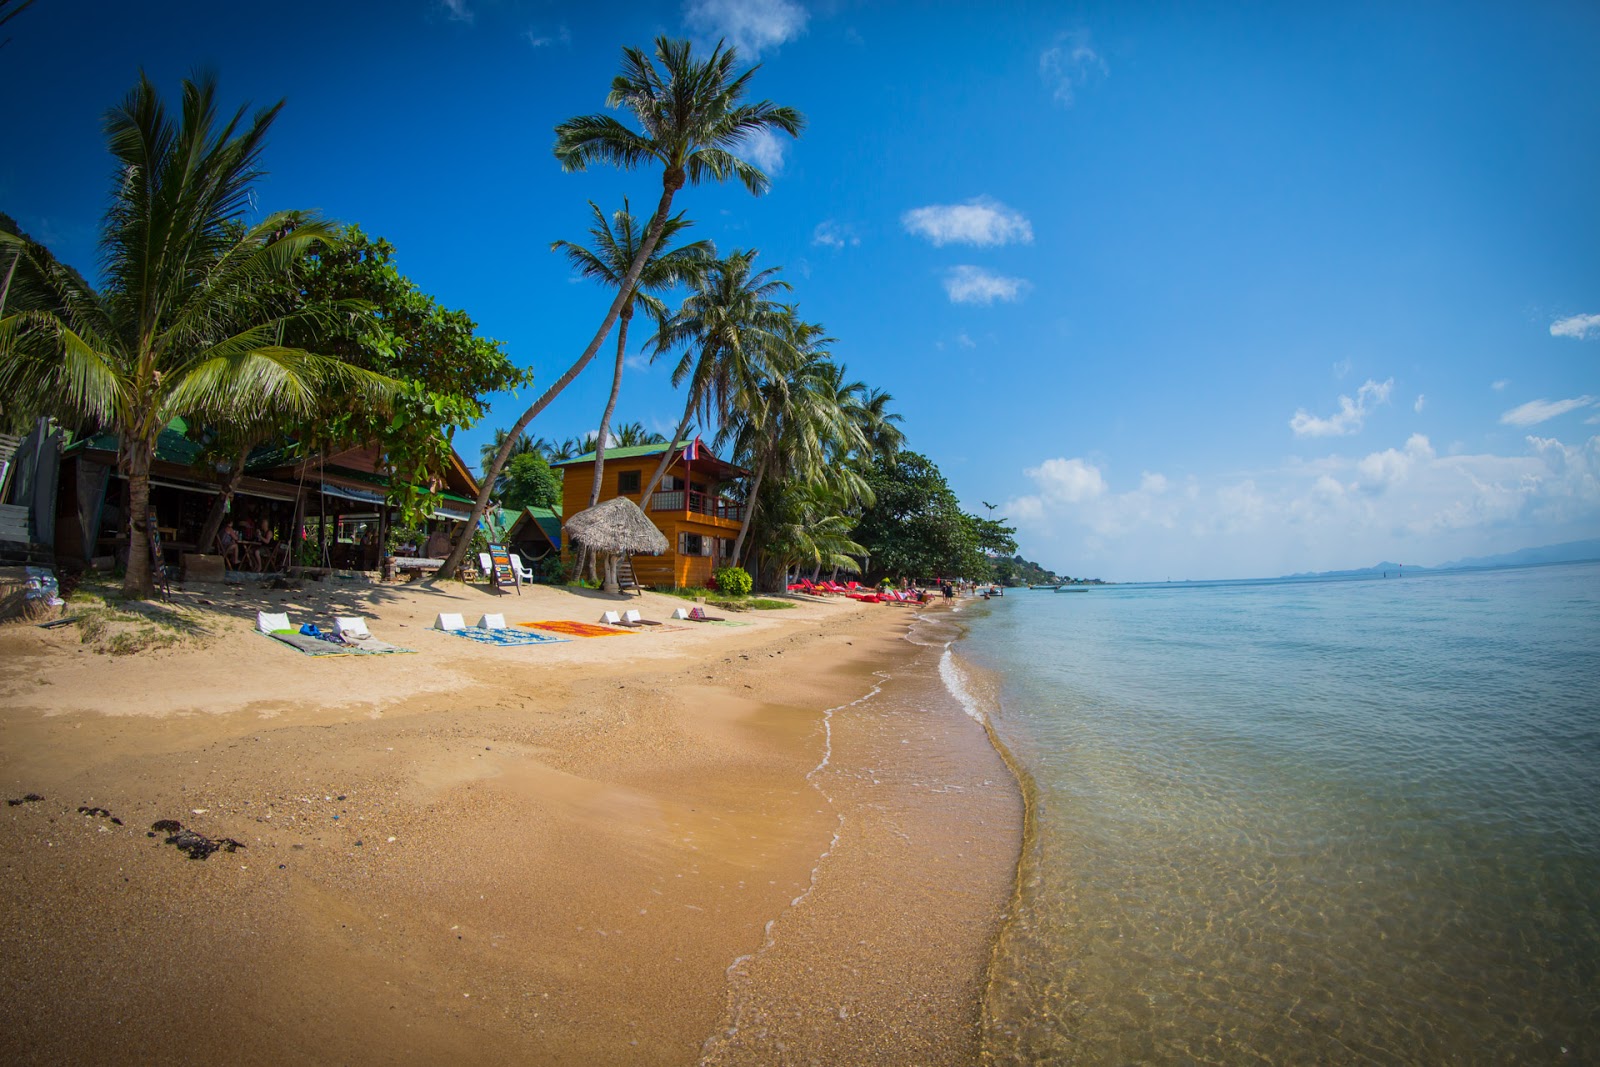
pixel 524 573
pixel 486 564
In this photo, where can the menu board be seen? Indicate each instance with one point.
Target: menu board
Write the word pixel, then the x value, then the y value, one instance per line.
pixel 505 577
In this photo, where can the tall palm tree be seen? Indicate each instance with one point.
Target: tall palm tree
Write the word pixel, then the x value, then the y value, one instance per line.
pixel 616 243
pixel 195 302
pixel 632 434
pixel 727 328
pixel 693 121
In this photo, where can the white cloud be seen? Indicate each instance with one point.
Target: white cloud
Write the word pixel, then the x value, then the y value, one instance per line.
pixel 1068 481
pixel 1409 503
pixel 1578 327
pixel 974 285
pixel 1348 418
pixel 981 221
pixel 830 234
pixel 965 340
pixel 1499 386
pixel 544 40
pixel 1422 399
pixel 763 148
pixel 748 25
pixel 1068 64
pixel 1152 483
pixel 1536 411
pixel 457 11
pixel 1341 368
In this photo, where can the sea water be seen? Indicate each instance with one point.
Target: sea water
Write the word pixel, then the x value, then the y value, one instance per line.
pixel 1301 821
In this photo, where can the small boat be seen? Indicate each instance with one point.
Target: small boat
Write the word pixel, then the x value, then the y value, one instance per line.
pixel 1044 587
pixel 1072 589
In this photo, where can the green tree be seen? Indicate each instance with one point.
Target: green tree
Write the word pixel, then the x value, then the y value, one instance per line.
pixel 915 525
pixel 692 120
pixel 633 434
pixel 529 482
pixel 195 306
pixel 616 243
pixel 447 371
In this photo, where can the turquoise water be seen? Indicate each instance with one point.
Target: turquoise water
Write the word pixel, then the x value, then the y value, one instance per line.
pixel 1344 821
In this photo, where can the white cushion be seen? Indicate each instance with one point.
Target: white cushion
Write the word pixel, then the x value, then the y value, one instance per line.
pixel 612 617
pixel 632 615
pixel 353 627
pixel 269 623
pixel 449 622
pixel 492 622
pixel 681 613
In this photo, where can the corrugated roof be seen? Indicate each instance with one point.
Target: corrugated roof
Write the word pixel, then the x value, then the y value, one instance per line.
pixel 630 452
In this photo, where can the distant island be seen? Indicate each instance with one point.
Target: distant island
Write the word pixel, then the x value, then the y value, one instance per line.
pixel 1567 552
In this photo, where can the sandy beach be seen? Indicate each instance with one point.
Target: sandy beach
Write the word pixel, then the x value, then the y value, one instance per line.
pixel 765 843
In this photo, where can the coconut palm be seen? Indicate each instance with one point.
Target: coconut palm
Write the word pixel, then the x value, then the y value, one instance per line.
pixel 727 327
pixel 195 302
pixel 633 434
pixel 693 121
pixel 521 445
pixel 616 243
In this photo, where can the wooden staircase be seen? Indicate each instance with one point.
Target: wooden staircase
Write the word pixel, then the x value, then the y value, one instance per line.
pixel 625 577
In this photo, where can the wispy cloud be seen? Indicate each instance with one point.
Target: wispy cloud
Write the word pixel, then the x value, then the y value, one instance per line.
pixel 981 221
pixel 1536 411
pixel 540 39
pixel 763 148
pixel 965 340
pixel 749 25
pixel 457 11
pixel 1341 368
pixel 1349 417
pixel 1499 385
pixel 1422 399
pixel 1069 64
pixel 1579 327
pixel 974 285
pixel 830 234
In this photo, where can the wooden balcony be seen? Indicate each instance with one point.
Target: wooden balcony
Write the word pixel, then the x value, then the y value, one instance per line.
pixel 693 505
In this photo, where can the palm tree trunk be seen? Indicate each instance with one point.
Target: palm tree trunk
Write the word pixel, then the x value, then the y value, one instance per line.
pixel 666 457
pixel 671 183
pixel 611 404
pixel 219 506
pixel 136 583
pixel 749 509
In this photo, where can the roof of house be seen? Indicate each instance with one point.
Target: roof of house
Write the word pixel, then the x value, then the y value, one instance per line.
pixel 548 520
pixel 717 468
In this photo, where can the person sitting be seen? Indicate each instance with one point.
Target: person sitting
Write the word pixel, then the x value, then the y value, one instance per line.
pixel 228 544
pixel 273 554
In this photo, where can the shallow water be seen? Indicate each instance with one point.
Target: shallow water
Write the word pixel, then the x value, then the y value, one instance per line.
pixel 1349 821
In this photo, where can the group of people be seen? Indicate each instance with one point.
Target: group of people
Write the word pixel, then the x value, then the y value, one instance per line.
pixel 252 546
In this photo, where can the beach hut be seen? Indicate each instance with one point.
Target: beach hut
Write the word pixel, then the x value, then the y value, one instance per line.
pixel 615 528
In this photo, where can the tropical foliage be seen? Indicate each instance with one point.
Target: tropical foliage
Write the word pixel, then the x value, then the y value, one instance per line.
pixel 197 307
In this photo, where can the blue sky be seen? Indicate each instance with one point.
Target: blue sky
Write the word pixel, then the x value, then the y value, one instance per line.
pixel 1187 291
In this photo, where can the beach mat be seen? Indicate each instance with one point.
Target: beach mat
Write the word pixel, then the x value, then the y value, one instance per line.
pixel 311 646
pixel 577 629
pixel 373 647
pixel 503 637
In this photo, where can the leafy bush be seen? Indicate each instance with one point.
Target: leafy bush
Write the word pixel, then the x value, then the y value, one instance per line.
pixel 733 581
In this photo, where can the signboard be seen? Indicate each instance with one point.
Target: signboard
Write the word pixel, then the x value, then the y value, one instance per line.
pixel 505 576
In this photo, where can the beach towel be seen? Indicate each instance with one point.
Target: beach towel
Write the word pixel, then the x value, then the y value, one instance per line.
pixel 575 629
pixel 278 627
pixel 353 633
pixel 634 619
pixel 504 637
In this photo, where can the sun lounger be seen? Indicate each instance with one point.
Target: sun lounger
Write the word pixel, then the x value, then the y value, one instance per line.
pixel 353 632
pixel 631 617
pixel 611 618
pixel 698 614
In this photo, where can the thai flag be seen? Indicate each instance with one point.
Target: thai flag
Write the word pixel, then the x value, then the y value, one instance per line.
pixel 692 453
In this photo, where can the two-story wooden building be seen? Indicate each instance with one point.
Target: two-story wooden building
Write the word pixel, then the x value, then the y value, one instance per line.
pixel 700 524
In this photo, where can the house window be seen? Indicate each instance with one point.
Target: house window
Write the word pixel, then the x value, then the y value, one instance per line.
pixel 689 544
pixel 725 546
pixel 628 482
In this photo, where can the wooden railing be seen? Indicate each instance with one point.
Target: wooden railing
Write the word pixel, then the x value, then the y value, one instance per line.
pixel 697 504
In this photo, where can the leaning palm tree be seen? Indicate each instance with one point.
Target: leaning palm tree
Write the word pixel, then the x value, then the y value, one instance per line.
pixel 693 121
pixel 727 327
pixel 195 303
pixel 616 243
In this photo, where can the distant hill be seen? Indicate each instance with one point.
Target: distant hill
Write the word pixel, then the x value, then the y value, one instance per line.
pixel 1570 552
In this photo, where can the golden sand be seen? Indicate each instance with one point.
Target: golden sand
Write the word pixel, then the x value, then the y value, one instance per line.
pixel 658 848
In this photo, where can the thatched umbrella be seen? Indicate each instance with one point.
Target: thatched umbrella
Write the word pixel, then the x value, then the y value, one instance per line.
pixel 613 528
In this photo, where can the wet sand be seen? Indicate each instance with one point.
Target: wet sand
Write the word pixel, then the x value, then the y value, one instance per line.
pixel 653 848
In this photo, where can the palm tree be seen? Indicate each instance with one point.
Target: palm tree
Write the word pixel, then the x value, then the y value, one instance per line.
pixel 195 303
pixel 633 434
pixel 693 121
pixel 726 327
pixel 616 243
pixel 520 445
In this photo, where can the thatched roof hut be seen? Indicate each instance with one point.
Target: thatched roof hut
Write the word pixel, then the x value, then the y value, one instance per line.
pixel 615 528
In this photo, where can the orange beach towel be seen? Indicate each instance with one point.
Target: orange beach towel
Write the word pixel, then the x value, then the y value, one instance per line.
pixel 575 629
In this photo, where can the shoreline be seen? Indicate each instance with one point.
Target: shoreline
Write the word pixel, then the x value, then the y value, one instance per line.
pixel 560 853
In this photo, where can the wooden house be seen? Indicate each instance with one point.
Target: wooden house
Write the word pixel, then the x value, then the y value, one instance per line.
pixel 700 524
